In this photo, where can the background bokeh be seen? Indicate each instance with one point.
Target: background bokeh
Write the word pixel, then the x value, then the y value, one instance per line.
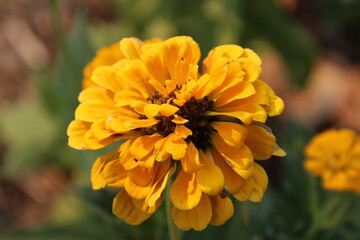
pixel 311 55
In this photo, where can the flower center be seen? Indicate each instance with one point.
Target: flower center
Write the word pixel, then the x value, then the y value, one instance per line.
pixel 194 110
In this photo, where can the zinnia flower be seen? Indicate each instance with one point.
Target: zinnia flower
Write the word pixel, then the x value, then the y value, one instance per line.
pixel 335 156
pixel 203 131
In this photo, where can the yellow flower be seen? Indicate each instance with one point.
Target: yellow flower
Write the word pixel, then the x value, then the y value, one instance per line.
pixel 202 130
pixel 335 156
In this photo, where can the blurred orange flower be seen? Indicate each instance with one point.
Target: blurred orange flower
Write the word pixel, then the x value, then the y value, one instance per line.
pixel 335 156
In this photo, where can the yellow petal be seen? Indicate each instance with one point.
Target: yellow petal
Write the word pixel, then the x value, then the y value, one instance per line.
pixel 168 110
pixel 130 47
pixel 92 143
pixel 142 176
pixel 190 162
pixel 139 123
pixel 276 106
pixel 176 147
pixel 233 181
pixel 170 86
pixel 260 142
pixel 204 88
pixel 179 102
pixel 251 64
pixel 114 174
pixel 124 208
pixel 159 87
pixel 100 131
pixel 254 187
pixel 239 159
pixel 156 190
pixel 105 56
pixel 232 51
pixel 182 131
pixel 118 124
pixel 240 91
pixel 76 132
pixel 160 152
pixel 244 117
pixel 179 54
pixel 127 97
pixel 126 159
pixel 222 209
pixel 135 76
pixel 91 111
pixel 179 120
pixel 97 93
pixel 144 145
pixel 153 58
pixel 233 134
pixel 147 162
pixel 105 77
pixel 97 179
pixel 151 110
pixel 142 206
pixel 278 151
pixel 209 176
pixel 185 193
pixel 197 218
pixel 138 106
pixel 136 191
pixel 258 112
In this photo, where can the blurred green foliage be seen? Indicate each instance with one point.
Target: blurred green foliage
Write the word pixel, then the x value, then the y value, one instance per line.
pixel 293 205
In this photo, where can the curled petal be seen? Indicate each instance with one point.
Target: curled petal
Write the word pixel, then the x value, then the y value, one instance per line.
pixel 114 174
pixel 185 193
pixel 151 110
pixel 197 218
pixel 191 162
pixel 90 111
pixel 209 176
pixel 233 134
pixel 168 110
pixel 142 206
pixel 144 145
pixel 222 209
pixel 130 47
pixel 157 189
pixel 182 131
pixel 76 132
pixel 98 93
pixel 239 159
pixel 254 188
pixel 233 181
pixel 124 208
pixel 179 120
pixel 97 179
pixel 136 191
pixel 160 152
pixel 176 147
pixel 240 91
pixel 244 117
pixel 260 142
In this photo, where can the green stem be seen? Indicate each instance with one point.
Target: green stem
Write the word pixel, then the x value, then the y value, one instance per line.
pixel 173 232
pixel 333 212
